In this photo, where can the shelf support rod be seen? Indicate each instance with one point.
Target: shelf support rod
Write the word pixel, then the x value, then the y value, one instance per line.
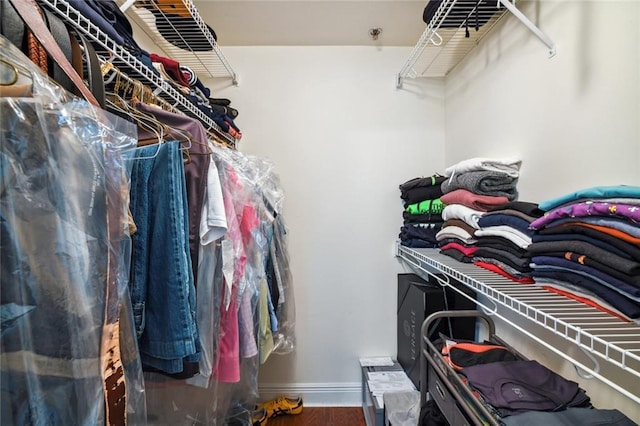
pixel 531 26
pixel 127 4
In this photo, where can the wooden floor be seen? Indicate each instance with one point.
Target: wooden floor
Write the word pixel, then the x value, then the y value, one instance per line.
pixel 322 416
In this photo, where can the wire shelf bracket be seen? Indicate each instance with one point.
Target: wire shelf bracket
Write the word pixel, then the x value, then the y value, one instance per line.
pixel 447 39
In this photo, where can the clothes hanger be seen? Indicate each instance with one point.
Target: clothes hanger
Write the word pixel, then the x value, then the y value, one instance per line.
pixel 184 137
pixel 108 68
pixel 110 71
pixel 158 136
pixel 171 133
pixel 129 89
pixel 126 89
pixel 16 80
pixel 115 104
pixel 9 73
pixel 144 121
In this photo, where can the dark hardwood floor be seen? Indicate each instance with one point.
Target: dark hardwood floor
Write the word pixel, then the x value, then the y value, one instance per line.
pixel 322 416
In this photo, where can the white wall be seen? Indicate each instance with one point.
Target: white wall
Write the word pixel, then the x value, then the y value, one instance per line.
pixel 342 139
pixel 573 119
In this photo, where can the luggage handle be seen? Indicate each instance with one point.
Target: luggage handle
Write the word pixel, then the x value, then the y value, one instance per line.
pixel 462 313
pixel 440 391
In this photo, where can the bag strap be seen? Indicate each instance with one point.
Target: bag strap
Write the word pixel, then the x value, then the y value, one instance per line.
pixel 61 35
pixel 84 53
pixel 28 11
pixel 10 25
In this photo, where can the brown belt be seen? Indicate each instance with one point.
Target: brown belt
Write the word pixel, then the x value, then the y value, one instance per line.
pixel 111 367
pixel 30 14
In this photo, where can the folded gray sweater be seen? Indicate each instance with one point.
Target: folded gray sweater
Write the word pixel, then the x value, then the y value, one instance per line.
pixel 484 183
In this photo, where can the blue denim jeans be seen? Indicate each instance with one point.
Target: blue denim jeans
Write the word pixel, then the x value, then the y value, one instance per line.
pixel 161 284
pixel 53 401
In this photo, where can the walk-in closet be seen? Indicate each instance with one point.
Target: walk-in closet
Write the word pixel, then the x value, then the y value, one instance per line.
pixel 217 212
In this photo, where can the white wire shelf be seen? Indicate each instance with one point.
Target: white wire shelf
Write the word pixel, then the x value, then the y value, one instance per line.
pixel 455 29
pixel 186 39
pixel 599 335
pixel 132 66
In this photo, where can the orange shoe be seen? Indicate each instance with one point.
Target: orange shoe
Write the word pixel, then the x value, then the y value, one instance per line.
pixel 259 417
pixel 282 405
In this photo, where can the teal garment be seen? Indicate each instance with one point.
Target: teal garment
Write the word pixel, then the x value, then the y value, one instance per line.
pixel 426 207
pixel 617 191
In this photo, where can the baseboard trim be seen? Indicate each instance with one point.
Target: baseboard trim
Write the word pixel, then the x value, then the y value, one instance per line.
pixel 316 394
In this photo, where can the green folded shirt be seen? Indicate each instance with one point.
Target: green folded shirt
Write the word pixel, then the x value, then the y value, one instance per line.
pixel 426 207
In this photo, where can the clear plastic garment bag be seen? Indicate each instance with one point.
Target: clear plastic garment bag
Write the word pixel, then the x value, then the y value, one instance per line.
pixel 67 334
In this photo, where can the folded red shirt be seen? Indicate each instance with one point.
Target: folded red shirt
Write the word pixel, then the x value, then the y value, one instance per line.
pixel 499 270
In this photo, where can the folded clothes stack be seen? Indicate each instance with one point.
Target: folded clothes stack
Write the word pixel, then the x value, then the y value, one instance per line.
pixel 185 80
pixel 473 188
pixel 504 238
pixel 587 245
pixel 422 211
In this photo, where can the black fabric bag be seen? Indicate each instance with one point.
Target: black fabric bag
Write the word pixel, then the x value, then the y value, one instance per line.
pixel 430 415
pixel 465 354
pixel 518 386
pixel 463 13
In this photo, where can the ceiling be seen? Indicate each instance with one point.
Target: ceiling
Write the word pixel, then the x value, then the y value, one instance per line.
pixel 313 22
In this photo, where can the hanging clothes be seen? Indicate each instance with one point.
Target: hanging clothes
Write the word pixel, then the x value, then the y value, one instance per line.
pixel 65 238
pixel 195 170
pixel 161 284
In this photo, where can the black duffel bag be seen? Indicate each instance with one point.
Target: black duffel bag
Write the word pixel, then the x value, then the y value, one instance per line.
pixel 464 13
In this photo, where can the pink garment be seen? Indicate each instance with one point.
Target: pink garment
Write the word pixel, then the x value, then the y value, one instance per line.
pixel 248 222
pixel 228 365
pixel 467 251
pixel 237 336
pixel 473 201
pixel 248 345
